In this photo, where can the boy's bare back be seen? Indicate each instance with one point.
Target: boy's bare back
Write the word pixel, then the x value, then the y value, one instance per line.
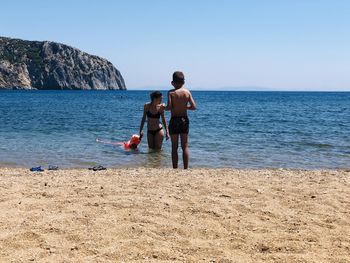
pixel 179 100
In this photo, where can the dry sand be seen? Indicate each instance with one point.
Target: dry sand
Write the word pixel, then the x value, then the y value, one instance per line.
pixel 162 215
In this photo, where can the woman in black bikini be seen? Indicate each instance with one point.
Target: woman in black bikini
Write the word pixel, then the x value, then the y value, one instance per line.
pixel 153 112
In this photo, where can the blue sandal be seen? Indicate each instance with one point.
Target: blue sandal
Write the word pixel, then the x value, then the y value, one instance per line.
pixel 36 169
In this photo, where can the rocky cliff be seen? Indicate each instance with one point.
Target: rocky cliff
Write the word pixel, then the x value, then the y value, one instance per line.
pixel 49 65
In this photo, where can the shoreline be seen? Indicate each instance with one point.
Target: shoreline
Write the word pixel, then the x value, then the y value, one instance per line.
pixel 119 167
pixel 166 215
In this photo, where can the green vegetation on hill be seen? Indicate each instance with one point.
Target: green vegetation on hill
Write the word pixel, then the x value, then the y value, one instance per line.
pixel 50 65
pixel 19 51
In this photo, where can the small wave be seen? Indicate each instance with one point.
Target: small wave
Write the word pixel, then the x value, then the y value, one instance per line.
pixel 317 145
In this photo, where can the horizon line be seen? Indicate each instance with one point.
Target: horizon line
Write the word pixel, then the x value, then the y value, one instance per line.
pixel 244 90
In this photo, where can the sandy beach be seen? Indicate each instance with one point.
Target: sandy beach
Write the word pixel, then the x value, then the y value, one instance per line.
pixel 162 215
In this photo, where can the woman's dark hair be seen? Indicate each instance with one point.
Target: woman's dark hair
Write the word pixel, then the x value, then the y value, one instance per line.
pixel 155 95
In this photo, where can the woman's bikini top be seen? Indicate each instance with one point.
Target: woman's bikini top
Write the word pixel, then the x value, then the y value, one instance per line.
pixel 153 116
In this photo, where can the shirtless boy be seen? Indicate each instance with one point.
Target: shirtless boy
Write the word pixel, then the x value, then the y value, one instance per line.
pixel 179 101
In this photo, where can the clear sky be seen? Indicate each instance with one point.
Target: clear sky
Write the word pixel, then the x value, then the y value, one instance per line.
pixel 278 44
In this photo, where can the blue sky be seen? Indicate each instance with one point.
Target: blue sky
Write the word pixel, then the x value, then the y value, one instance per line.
pixel 283 45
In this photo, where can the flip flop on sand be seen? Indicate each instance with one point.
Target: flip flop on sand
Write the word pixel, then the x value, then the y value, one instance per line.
pixel 98 168
pixel 36 169
pixel 53 168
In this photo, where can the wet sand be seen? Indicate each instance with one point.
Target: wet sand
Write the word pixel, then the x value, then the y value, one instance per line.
pixel 162 215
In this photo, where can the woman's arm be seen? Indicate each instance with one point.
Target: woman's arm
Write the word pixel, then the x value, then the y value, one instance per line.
pixel 165 125
pixel 143 119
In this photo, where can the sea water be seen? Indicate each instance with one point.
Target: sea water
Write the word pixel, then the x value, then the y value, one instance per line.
pixel 306 130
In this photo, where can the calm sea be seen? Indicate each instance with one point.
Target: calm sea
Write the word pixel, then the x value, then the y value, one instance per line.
pixel 229 129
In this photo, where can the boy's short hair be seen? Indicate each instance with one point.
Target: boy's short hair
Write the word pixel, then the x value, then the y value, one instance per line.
pixel 155 95
pixel 178 77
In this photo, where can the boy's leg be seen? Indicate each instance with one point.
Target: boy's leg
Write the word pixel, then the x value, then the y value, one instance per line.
pixel 185 151
pixel 174 146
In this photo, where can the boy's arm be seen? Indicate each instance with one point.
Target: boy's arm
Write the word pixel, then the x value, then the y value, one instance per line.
pixel 192 105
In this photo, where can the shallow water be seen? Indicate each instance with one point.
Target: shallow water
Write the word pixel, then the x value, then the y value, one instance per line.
pixel 229 129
